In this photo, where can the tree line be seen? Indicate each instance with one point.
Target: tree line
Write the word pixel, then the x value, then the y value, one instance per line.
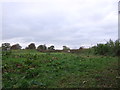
pixel 109 48
pixel 7 46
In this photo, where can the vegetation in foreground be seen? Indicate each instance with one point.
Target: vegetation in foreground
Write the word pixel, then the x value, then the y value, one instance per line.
pixel 32 69
pixel 96 67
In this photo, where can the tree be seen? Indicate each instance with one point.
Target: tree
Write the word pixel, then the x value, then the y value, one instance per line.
pixel 6 46
pixel 51 48
pixel 31 46
pixel 101 49
pixel 42 47
pixel 110 48
pixel 66 48
pixel 81 47
pixel 16 46
pixel 117 48
pixel 6 49
pixel 26 48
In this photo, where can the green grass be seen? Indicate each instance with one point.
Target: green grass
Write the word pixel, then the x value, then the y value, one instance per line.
pixel 32 69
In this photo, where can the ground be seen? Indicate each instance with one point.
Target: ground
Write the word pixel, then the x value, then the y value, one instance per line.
pixel 32 69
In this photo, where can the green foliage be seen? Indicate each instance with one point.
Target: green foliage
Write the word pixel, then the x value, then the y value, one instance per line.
pixel 31 73
pixel 25 69
pixel 66 48
pixel 101 49
pixel 24 84
pixel 110 48
pixel 6 54
pixel 117 47
pixel 5 46
pixel 41 47
pixel 31 46
pixel 16 47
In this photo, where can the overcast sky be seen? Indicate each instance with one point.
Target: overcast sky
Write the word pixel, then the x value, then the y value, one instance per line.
pixel 73 23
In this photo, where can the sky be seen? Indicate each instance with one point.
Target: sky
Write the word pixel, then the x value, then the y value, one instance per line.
pixel 73 23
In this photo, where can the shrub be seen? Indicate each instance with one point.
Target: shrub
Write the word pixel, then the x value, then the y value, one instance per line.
pixel 110 48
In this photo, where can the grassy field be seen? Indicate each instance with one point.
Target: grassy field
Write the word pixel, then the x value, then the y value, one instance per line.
pixel 32 69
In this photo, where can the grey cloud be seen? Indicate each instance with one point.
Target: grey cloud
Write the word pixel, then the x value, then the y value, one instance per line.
pixel 61 23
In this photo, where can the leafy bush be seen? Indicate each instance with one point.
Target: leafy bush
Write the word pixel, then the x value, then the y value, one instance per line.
pixel 110 48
